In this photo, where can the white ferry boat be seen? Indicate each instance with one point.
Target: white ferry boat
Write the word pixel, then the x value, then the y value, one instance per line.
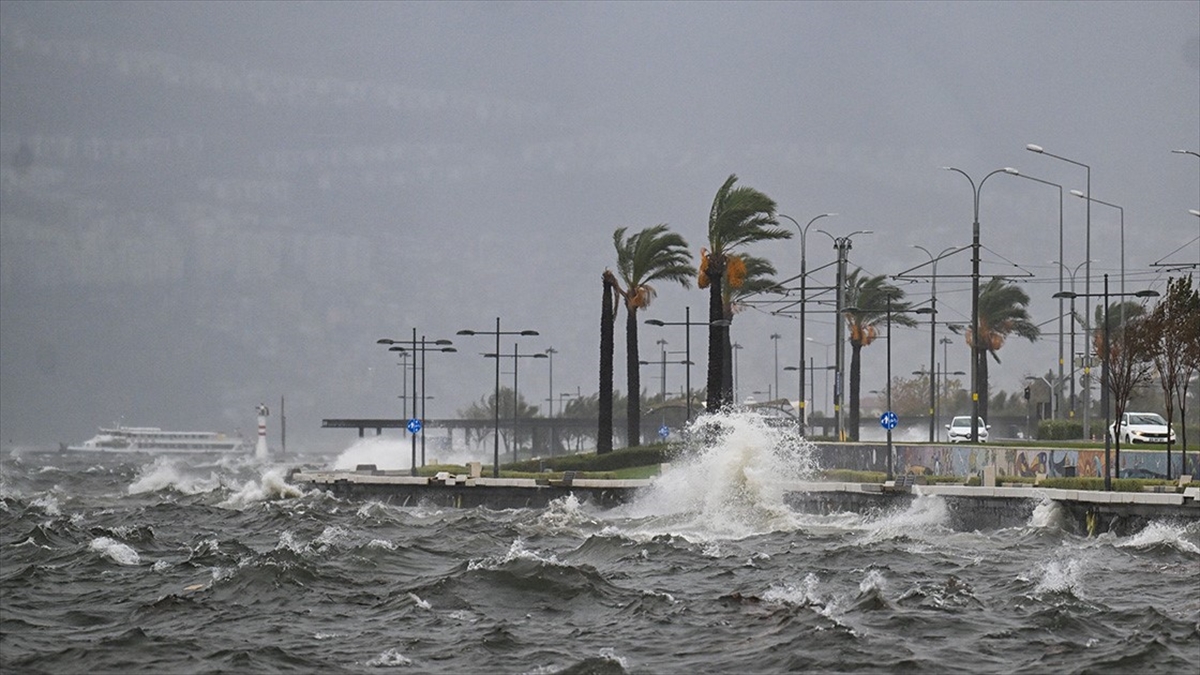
pixel 155 441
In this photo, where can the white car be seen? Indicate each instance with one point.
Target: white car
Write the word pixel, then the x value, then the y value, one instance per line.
pixel 959 429
pixel 1142 427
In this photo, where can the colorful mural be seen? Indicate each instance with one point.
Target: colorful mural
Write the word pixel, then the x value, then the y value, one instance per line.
pixel 968 460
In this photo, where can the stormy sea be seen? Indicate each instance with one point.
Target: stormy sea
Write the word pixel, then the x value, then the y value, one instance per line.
pixel 136 564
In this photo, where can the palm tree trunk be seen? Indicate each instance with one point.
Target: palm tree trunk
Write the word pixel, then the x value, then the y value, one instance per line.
pixel 633 414
pixel 718 336
pixel 855 389
pixel 604 434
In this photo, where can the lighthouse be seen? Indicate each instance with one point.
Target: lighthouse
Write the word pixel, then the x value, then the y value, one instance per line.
pixel 260 450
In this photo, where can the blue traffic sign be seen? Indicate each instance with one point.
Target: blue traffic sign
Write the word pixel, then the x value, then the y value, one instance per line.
pixel 888 420
pixel 663 432
pixel 414 426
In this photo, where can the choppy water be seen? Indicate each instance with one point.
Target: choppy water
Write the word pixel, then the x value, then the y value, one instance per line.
pixel 141 565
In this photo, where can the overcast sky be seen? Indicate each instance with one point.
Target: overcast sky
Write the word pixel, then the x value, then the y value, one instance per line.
pixel 209 205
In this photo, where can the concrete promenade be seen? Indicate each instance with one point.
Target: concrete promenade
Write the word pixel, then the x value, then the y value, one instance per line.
pixel 969 507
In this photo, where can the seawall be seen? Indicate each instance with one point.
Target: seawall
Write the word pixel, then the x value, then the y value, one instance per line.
pixel 969 507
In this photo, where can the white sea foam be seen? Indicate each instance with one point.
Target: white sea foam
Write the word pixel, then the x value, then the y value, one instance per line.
pixel 381 544
pixel 516 551
pixel 122 554
pixel 926 513
pixel 731 485
pixel 419 602
pixel 391 658
pixel 804 594
pixel 873 581
pixel 1062 574
pixel 165 473
pixel 273 486
pixel 1046 515
pixel 48 505
pixel 1161 533
pixel 384 453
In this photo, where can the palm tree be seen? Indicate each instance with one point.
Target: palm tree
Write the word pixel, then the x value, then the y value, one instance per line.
pixel 608 315
pixel 1001 313
pixel 652 254
pixel 739 216
pixel 757 278
pixel 869 296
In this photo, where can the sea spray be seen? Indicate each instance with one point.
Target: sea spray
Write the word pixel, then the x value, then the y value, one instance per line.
pixel 730 483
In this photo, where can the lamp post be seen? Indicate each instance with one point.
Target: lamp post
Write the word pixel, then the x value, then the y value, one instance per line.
pixel 975 190
pixel 1018 174
pixel 842 245
pixel 826 345
pixel 1087 275
pixel 497 333
pixel 735 347
pixel 516 355
pixel 803 302
pixel 550 352
pixel 1079 194
pixel 687 346
pixel 414 347
pixel 775 338
pixel 1072 395
pixel 933 334
pixel 1104 365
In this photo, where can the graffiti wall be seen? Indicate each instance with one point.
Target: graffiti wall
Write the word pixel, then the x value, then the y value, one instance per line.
pixel 968 460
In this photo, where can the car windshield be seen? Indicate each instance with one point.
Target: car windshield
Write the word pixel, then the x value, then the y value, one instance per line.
pixel 962 422
pixel 1147 418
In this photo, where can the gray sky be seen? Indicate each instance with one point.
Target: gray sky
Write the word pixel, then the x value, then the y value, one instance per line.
pixel 209 205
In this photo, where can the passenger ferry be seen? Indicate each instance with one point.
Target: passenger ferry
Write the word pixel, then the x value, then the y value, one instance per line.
pixel 155 441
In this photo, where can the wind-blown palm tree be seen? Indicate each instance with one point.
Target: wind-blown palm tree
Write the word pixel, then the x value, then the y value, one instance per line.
pixel 739 216
pixel 869 297
pixel 653 254
pixel 758 278
pixel 608 315
pixel 1001 313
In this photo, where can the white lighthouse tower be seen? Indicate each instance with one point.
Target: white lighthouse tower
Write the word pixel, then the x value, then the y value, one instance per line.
pixel 260 450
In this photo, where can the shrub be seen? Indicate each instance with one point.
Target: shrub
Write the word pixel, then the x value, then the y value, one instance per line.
pixel 1060 430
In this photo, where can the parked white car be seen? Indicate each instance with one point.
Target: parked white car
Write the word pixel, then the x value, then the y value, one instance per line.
pixel 1142 427
pixel 959 429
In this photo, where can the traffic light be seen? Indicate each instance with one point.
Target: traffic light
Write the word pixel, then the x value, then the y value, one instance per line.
pixel 1026 393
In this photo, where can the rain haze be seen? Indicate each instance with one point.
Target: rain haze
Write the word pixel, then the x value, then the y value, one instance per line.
pixel 206 206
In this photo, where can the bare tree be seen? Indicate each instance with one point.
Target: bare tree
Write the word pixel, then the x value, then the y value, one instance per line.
pixel 1125 340
pixel 1174 329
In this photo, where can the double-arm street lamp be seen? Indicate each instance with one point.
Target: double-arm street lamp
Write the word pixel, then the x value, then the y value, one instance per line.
pixel 933 333
pixel 414 347
pixel 1087 363
pixel 975 190
pixel 516 355
pixel 496 403
pixel 1087 275
pixel 1105 365
pixel 1079 194
pixel 1018 174
pixel 687 346
pixel 803 302
pixel 842 245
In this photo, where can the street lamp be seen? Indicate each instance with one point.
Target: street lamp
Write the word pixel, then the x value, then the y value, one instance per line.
pixel 550 352
pixel 842 245
pixel 803 302
pixel 735 347
pixel 687 346
pixel 933 332
pixel 1018 174
pixel 1079 194
pixel 497 333
pixel 1087 364
pixel 975 190
pixel 413 347
pixel 775 338
pixel 1087 275
pixel 516 355
pixel 1104 364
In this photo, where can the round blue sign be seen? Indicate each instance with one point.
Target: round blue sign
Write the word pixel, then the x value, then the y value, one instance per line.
pixel 414 426
pixel 663 432
pixel 888 420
